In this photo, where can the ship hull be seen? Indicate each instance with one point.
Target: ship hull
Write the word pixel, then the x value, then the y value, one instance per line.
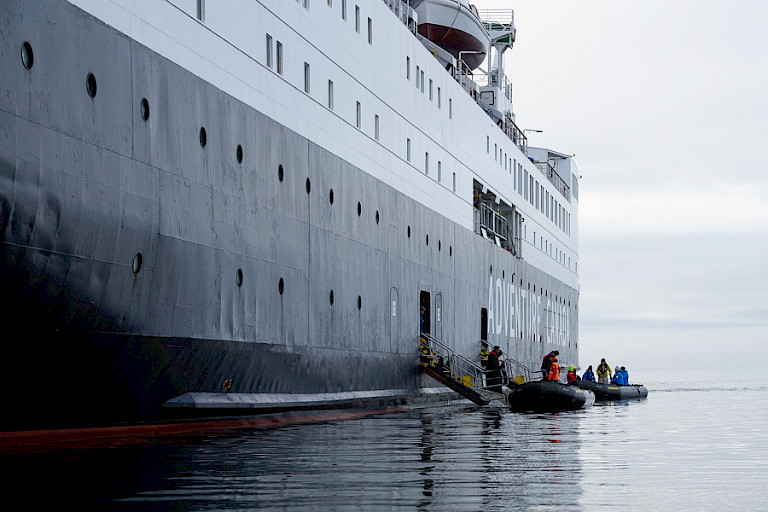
pixel 139 265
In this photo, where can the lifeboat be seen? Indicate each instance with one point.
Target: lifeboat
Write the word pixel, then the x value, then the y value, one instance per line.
pixel 455 26
pixel 547 396
pixel 605 392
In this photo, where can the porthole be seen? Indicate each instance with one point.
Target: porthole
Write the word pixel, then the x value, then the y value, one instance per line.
pixel 144 109
pixel 27 55
pixel 450 250
pixel 409 231
pixel 203 137
pixel 503 274
pixel 427 239
pixel 239 277
pixel 90 85
pixel 439 246
pixel 359 302
pixel 308 186
pixel 330 298
pixel 330 196
pixel 359 209
pixel 280 172
pixel 239 154
pixel 491 269
pixel 137 262
pixel 377 216
pixel 281 286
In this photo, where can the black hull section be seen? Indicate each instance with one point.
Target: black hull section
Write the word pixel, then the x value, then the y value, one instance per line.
pixel 606 392
pixel 547 396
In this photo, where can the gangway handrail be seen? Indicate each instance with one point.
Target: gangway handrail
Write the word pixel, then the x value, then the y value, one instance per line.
pixel 460 366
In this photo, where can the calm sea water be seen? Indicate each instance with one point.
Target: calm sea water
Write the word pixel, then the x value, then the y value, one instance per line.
pixel 689 446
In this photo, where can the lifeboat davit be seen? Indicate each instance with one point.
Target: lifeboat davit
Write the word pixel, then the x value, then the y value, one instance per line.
pixel 455 26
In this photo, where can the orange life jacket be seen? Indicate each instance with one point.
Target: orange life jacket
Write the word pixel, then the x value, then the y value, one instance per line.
pixel 554 371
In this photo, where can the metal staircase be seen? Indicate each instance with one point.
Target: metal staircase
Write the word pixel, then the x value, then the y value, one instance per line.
pixel 460 374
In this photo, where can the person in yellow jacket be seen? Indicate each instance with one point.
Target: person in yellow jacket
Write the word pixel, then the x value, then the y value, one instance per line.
pixel 554 371
pixel 603 372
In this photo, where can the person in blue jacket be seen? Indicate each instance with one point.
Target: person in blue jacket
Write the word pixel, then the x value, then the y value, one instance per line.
pixel 617 379
pixel 588 376
pixel 624 376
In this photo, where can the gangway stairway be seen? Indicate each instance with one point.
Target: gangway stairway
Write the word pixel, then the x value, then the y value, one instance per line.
pixel 460 374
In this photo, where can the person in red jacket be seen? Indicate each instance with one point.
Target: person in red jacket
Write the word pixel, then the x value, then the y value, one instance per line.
pixel 572 377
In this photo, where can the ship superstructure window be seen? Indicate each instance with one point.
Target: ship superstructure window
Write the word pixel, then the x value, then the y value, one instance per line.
pixel 408 149
pixel 438 98
pixel 269 51
pixel 306 77
pixel 370 31
pixel 430 89
pixel 344 9
pixel 426 163
pixel 330 3
pixel 305 3
pixel 376 126
pixel 450 108
pixel 422 80
pixel 359 112
pixel 408 68
pixel 201 10
pixel 487 144
pixel 279 55
pixel 439 171
pixel 418 71
pixel 454 183
pixel 357 19
pixel 330 94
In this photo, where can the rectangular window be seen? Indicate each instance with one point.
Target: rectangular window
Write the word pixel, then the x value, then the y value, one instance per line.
pixel 359 114
pixel 438 97
pixel 344 9
pixel 426 163
pixel 269 51
pixel 408 68
pixel 408 149
pixel 330 3
pixel 430 89
pixel 330 94
pixel 450 108
pixel 525 188
pixel 305 3
pixel 487 144
pixel 376 126
pixel 495 151
pixel 279 57
pixel 439 171
pixel 418 72
pixel 370 31
pixel 422 81
pixel 306 77
pixel 357 19
pixel 201 10
pixel 537 195
pixel 530 199
pixel 454 182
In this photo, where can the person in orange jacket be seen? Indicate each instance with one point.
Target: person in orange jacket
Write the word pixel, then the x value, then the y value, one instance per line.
pixel 554 370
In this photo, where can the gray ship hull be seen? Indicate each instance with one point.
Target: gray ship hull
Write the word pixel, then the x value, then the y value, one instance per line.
pixel 138 266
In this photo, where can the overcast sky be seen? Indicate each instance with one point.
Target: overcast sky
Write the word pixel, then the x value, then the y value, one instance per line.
pixel 665 105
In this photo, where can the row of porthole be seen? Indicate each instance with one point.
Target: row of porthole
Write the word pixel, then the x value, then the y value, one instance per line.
pixel 28 59
pixel 138 262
